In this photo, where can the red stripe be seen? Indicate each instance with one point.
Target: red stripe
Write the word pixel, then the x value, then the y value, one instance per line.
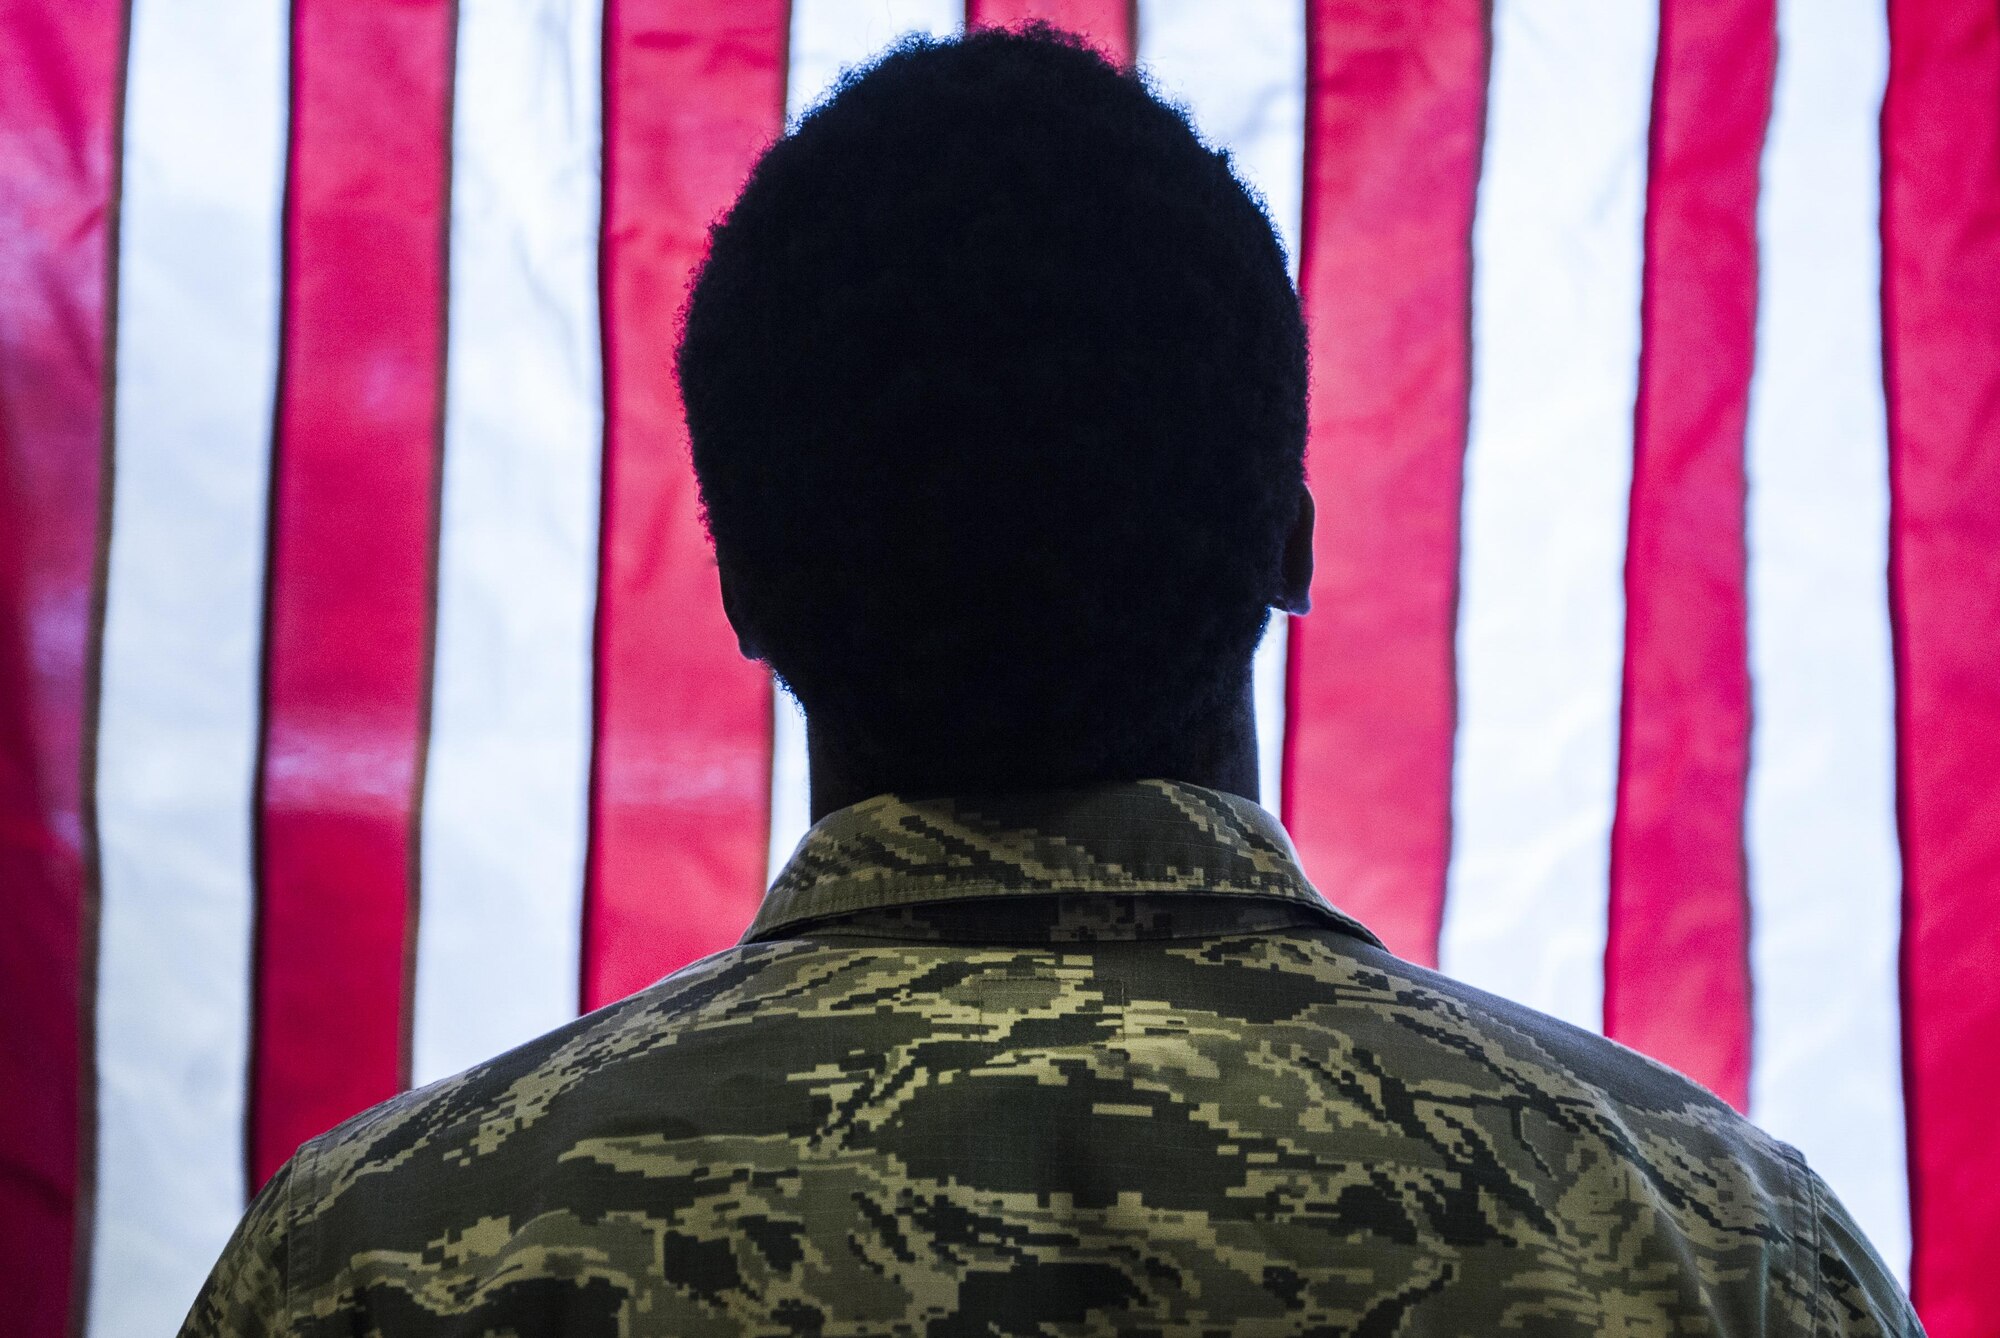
pixel 353 503
pixel 1395 104
pixel 680 790
pixel 58 183
pixel 1941 276
pixel 1108 24
pixel 1677 964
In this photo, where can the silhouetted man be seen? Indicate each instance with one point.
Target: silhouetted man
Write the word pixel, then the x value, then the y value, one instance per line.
pixel 997 392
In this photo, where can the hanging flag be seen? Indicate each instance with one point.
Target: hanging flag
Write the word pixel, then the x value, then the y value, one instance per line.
pixel 367 707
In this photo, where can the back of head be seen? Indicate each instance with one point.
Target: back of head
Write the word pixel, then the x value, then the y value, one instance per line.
pixel 996 385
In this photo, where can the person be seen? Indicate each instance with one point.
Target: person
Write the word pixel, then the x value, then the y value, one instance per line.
pixel 996 387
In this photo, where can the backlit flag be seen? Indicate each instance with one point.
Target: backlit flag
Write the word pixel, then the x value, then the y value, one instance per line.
pixel 366 705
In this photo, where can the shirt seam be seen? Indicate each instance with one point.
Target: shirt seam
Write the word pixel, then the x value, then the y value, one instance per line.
pixel 298 1249
pixel 1814 1208
pixel 830 933
pixel 795 921
pixel 1818 1254
pixel 1079 837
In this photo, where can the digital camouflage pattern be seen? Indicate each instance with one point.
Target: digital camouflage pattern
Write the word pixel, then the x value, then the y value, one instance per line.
pixel 1065 1065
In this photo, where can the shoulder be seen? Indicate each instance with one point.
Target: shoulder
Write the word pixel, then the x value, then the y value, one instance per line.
pixel 247 1293
pixel 484 1106
pixel 1437 1034
pixel 433 1162
pixel 1549 1061
pixel 1624 1128
pixel 1847 1289
pixel 426 1184
pixel 1693 1154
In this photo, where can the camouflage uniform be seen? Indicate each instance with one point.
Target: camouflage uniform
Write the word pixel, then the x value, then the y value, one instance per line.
pixel 1058 1064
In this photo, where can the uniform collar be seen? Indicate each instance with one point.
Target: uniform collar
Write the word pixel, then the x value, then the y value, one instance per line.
pixel 1146 837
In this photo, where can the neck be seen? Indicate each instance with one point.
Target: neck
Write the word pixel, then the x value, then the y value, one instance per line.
pixel 1218 753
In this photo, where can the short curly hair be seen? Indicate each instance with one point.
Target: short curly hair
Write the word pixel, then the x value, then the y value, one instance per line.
pixel 996 386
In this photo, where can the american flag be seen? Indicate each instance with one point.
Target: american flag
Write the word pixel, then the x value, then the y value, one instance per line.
pixel 363 680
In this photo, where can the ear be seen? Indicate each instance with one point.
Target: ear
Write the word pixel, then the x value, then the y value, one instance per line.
pixel 732 609
pixel 1298 560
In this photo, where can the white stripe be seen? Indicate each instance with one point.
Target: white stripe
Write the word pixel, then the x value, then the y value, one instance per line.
pixel 1825 877
pixel 504 816
pixel 1240 70
pixel 1557 256
pixel 1267 685
pixel 827 37
pixel 196 360
pixel 791 788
